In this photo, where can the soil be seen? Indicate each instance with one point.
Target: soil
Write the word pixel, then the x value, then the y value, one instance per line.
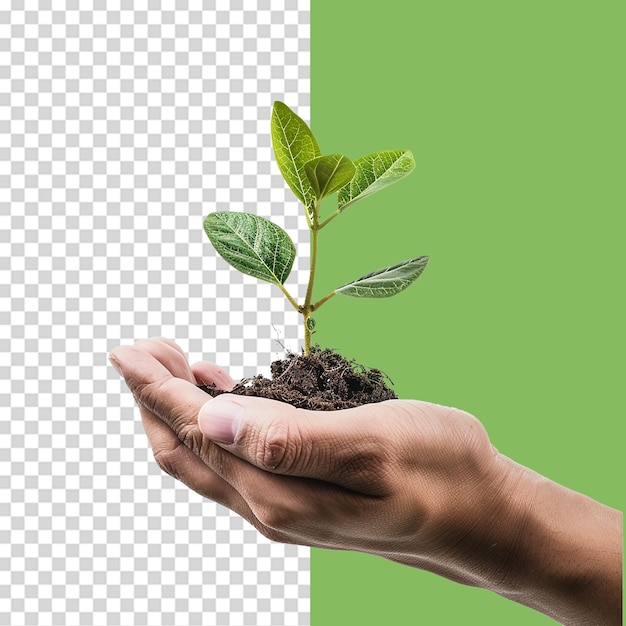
pixel 323 381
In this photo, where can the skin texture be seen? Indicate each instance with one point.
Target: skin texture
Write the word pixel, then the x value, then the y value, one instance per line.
pixel 410 481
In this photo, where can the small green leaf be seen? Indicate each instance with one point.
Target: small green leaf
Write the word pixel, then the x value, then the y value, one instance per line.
pixel 373 173
pixel 294 145
pixel 329 173
pixel 310 324
pixel 387 281
pixel 252 244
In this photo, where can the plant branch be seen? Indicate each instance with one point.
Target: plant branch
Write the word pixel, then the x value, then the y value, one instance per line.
pixel 319 303
pixel 329 218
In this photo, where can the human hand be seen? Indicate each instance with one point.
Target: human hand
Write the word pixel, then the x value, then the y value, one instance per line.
pixel 394 466
pixel 410 481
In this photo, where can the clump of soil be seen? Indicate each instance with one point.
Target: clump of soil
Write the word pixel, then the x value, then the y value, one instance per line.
pixel 323 381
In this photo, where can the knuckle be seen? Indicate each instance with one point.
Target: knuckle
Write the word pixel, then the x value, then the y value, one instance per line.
pixel 146 392
pixel 137 387
pixel 472 439
pixel 169 459
pixel 274 447
pixel 180 416
pixel 190 436
pixel 275 518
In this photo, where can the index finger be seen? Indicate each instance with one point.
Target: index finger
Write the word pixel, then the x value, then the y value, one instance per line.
pixel 175 400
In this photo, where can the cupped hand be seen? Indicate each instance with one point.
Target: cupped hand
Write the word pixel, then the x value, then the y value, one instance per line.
pixel 400 478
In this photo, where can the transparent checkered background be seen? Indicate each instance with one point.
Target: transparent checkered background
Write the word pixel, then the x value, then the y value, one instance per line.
pixel 122 124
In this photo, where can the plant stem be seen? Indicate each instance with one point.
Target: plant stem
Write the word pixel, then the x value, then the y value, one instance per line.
pixel 306 309
pixel 307 335
pixel 309 289
pixel 306 312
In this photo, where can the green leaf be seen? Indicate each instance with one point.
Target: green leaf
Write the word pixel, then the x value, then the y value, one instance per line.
pixel 373 173
pixel 252 244
pixel 329 173
pixel 294 145
pixel 387 281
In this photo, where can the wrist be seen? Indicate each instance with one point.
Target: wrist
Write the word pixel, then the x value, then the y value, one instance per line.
pixel 532 541
pixel 543 545
pixel 571 551
pixel 486 539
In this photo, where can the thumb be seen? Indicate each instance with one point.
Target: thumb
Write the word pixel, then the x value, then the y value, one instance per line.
pixel 277 437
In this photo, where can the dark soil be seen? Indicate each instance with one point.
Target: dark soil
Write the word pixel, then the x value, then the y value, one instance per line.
pixel 322 381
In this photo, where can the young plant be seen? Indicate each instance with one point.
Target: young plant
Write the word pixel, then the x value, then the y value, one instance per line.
pixel 258 247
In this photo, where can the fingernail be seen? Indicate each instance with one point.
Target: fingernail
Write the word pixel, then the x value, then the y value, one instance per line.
pixel 115 363
pixel 219 419
pixel 221 380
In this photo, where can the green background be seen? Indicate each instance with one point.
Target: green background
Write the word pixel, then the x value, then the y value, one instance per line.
pixel 514 111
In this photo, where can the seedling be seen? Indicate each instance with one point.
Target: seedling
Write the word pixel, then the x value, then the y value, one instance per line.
pixel 258 247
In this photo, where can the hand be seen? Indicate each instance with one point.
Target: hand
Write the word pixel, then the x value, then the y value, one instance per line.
pixel 373 478
pixel 414 482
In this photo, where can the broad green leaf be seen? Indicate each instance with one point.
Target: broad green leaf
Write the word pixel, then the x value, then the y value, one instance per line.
pixel 373 173
pixel 329 173
pixel 252 244
pixel 387 281
pixel 294 145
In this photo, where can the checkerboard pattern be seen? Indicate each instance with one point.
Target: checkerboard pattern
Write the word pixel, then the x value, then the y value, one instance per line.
pixel 122 124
